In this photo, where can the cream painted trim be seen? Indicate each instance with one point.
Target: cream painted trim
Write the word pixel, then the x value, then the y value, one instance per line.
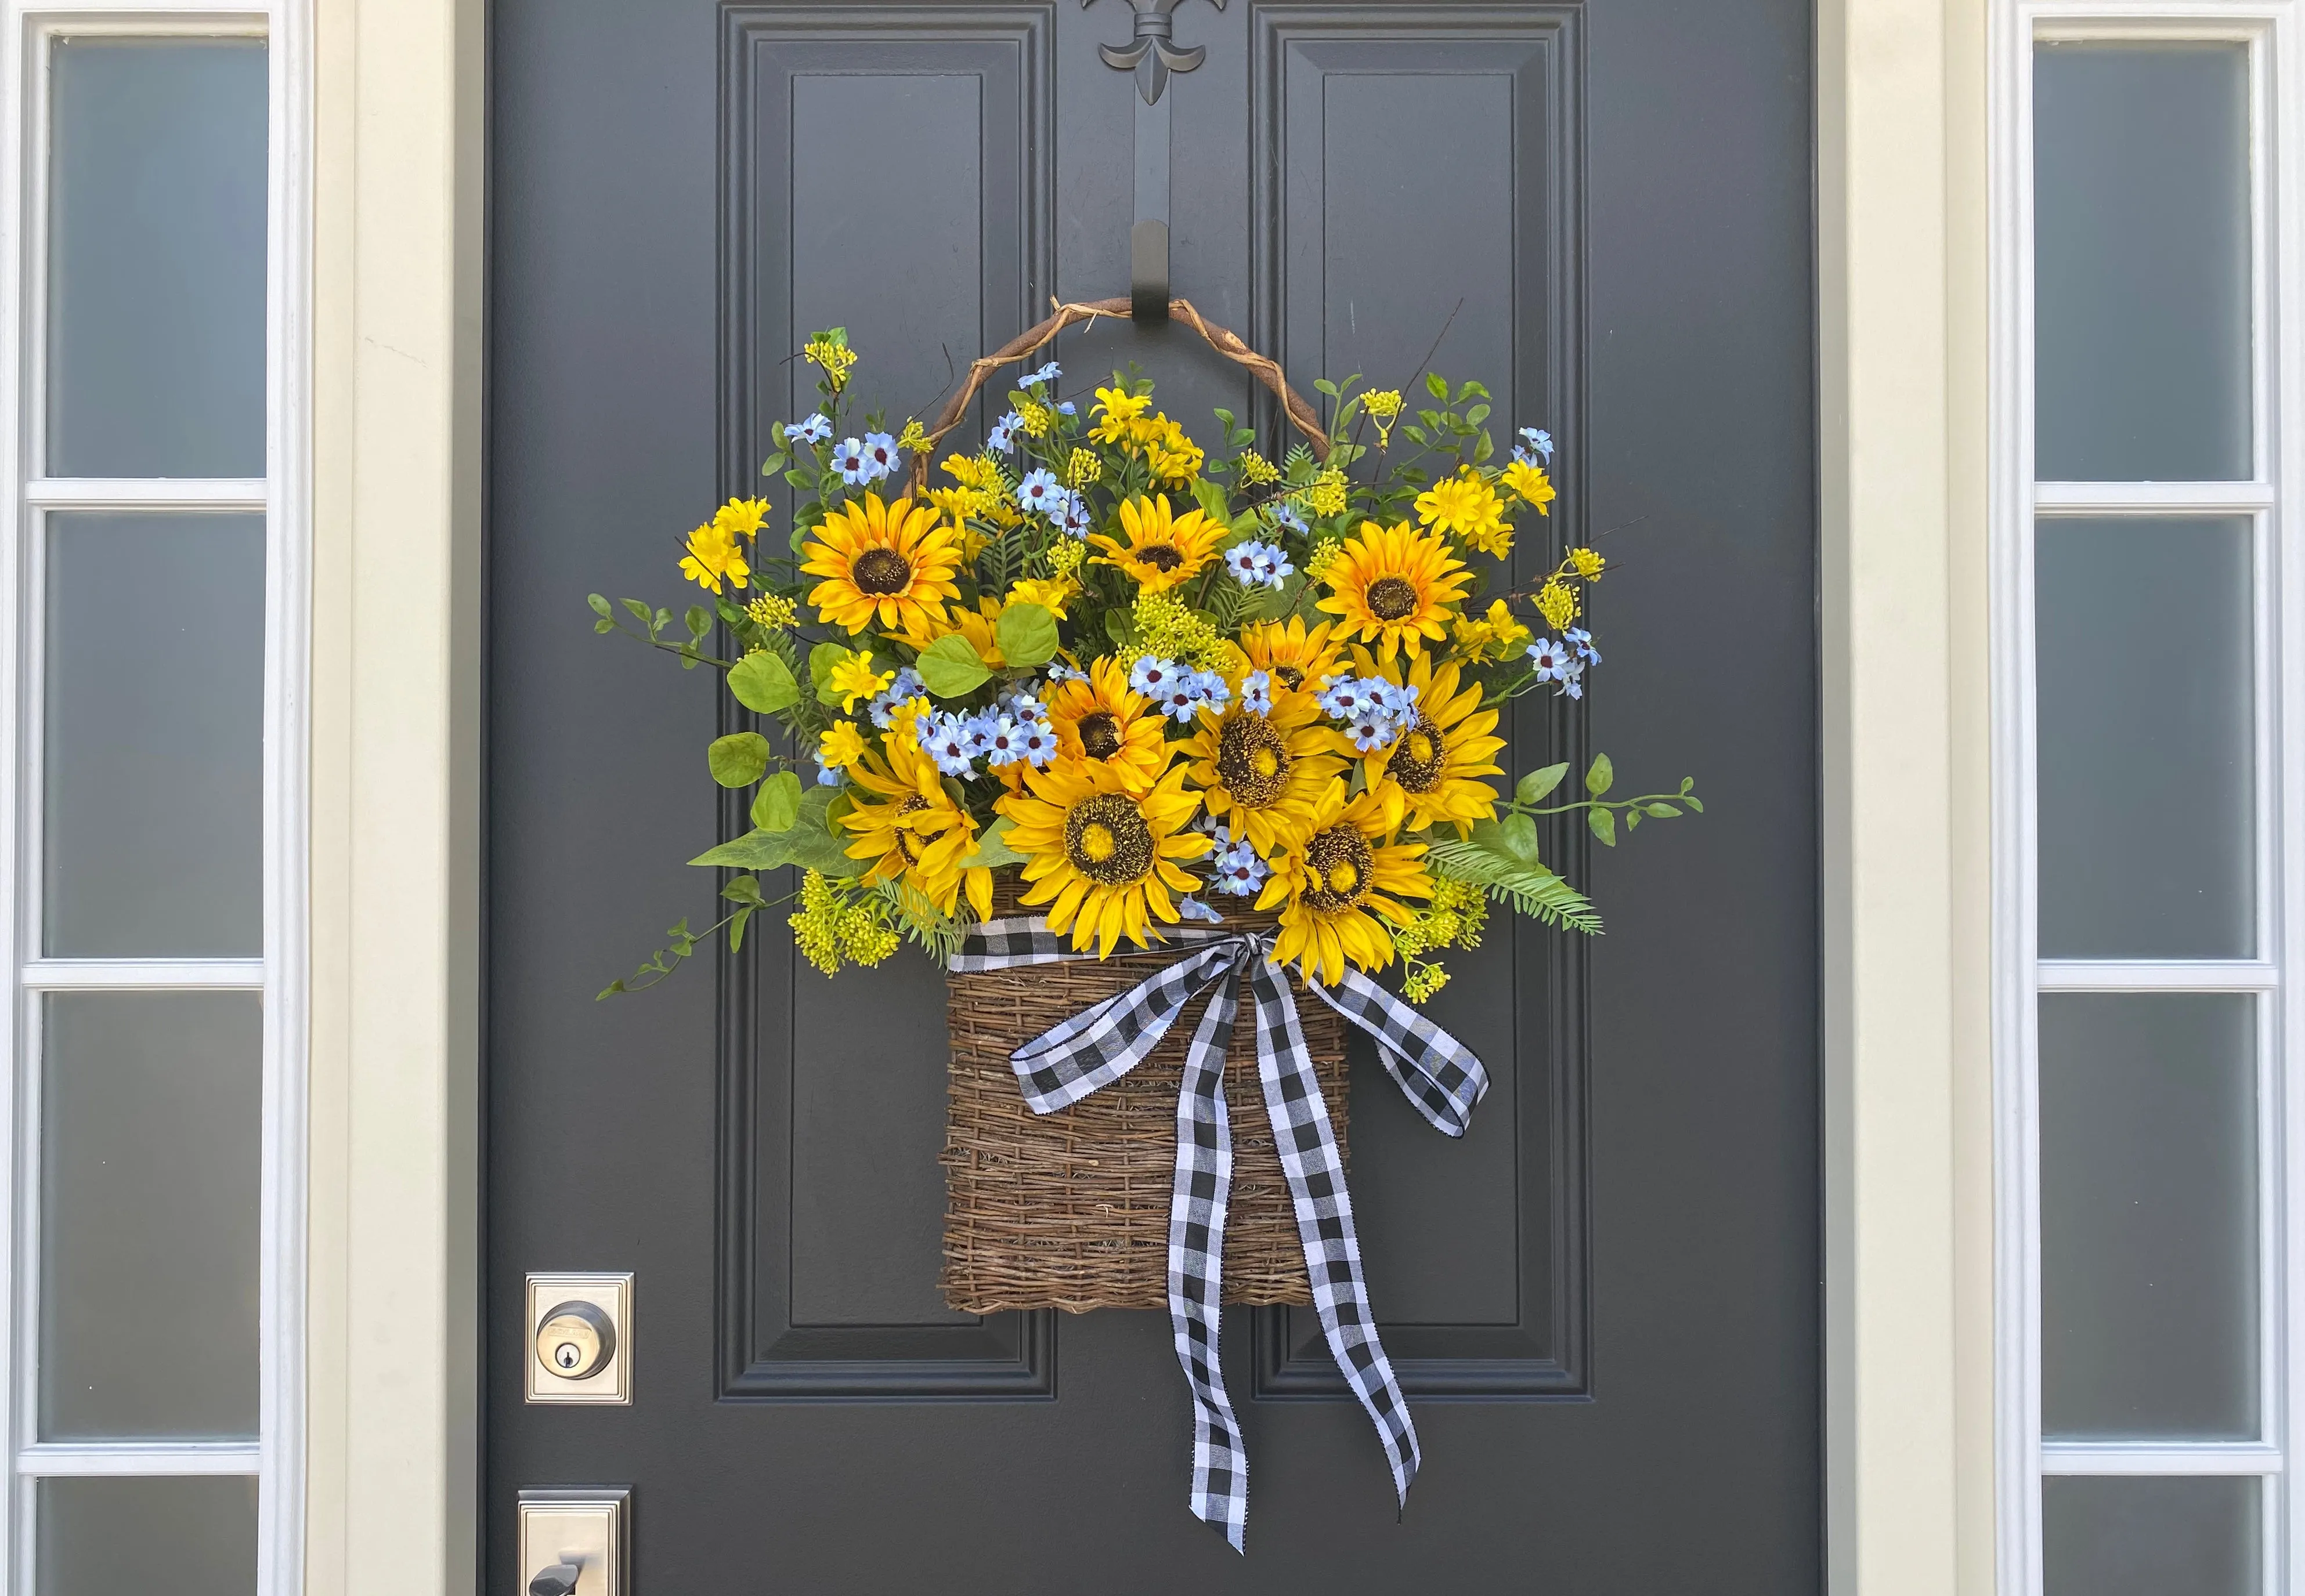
pixel 1901 215
pixel 394 1325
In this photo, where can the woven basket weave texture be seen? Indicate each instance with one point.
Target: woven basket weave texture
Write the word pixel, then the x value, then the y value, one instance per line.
pixel 1071 1210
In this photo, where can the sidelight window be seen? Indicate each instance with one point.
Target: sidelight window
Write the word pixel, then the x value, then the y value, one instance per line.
pixel 2149 688
pixel 150 711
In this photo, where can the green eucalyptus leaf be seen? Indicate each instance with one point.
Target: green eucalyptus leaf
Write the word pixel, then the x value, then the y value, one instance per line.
pixel 1597 779
pixel 754 851
pixel 1536 784
pixel 1604 823
pixel 601 606
pixel 1663 811
pixel 776 805
pixel 1027 634
pixel 1435 386
pixel 950 669
pixel 738 758
pixel 763 682
pixel 822 660
pixel 1520 838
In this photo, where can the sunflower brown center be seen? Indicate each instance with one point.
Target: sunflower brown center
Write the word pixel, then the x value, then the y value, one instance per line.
pixel 1418 757
pixel 1100 734
pixel 1253 761
pixel 908 843
pixel 880 571
pixel 1161 556
pixel 1107 840
pixel 1391 598
pixel 1290 676
pixel 1340 864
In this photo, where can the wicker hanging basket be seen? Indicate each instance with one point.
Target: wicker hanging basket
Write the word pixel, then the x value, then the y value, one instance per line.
pixel 1071 1210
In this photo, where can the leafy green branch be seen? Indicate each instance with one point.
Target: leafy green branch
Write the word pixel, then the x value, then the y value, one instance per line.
pixel 655 623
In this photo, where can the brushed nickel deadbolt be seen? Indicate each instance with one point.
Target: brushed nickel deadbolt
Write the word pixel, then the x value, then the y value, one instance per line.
pixel 580 1338
pixel 576 1340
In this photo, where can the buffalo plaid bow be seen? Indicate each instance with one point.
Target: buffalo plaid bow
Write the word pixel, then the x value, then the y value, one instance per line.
pixel 1104 1042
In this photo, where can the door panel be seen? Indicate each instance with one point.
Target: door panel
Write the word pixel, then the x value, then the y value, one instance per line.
pixel 1603 1301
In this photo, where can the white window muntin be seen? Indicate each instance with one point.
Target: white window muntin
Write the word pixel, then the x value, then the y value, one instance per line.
pixel 2018 501
pixel 28 35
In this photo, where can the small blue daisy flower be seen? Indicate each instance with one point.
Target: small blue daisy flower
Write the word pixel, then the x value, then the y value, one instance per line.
pixel 826 776
pixel 1550 659
pixel 1061 672
pixel 1003 436
pixel 881 450
pixel 1152 675
pixel 1272 566
pixel 851 462
pixel 1345 698
pixel 1046 374
pixel 1068 409
pixel 978 730
pixel 1209 689
pixel 1040 743
pixel 1041 491
pixel 1535 444
pixel 1074 516
pixel 1580 643
pixel 1257 693
pixel 1192 908
pixel 1237 868
pixel 1004 743
pixel 948 743
pixel 1372 732
pixel 1179 701
pixel 811 429
pixel 1289 517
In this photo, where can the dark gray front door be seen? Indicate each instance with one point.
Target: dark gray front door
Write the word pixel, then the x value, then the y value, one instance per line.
pixel 1602 1303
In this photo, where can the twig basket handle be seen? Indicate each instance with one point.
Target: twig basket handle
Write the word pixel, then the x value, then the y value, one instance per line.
pixel 1228 343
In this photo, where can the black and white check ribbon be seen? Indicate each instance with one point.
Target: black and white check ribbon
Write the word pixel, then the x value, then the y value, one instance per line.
pixel 1105 1042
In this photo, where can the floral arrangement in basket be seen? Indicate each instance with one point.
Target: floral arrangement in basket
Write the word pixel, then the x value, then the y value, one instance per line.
pixel 1149 680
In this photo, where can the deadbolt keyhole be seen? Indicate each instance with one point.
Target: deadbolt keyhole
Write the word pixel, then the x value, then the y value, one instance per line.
pixel 576 1341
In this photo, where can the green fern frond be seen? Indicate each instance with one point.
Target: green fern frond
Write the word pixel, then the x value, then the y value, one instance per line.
pixel 1527 889
pixel 936 933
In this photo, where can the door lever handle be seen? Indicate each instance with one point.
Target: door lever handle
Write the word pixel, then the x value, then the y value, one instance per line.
pixel 559 1580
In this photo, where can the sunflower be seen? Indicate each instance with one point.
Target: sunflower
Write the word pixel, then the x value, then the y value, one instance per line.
pixel 1439 762
pixel 1394 585
pixel 1262 773
pixel 1295 658
pixel 1338 887
pixel 895 561
pixel 1104 719
pixel 914 832
pixel 1162 552
pixel 1107 858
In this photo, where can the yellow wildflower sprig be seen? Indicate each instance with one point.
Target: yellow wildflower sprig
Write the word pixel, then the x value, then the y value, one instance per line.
pixel 1382 406
pixel 828 351
pixel 841 923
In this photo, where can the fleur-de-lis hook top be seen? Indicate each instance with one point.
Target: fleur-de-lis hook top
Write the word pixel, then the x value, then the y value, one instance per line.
pixel 1150 56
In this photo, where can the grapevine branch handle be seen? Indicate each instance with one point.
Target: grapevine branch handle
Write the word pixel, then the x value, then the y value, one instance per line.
pixel 1229 345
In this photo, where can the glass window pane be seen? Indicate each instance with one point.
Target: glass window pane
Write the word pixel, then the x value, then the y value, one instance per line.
pixel 2141 269
pixel 2148 1215
pixel 152 817
pixel 2107 1536
pixel 100 1537
pixel 155 259
pixel 2143 656
pixel 150 1109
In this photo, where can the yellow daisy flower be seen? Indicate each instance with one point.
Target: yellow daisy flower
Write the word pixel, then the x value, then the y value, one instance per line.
pixel 912 828
pixel 1531 485
pixel 1116 410
pixel 841 746
pixel 1499 635
pixel 1262 773
pixel 854 678
pixel 712 557
pixel 1163 550
pixel 894 562
pixel 1295 658
pixel 1439 762
pixel 1395 586
pixel 1338 887
pixel 1108 862
pixel 742 517
pixel 1051 596
pixel 1105 720
pixel 1463 504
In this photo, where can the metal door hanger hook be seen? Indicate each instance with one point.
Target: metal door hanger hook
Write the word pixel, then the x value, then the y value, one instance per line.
pixel 1152 57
